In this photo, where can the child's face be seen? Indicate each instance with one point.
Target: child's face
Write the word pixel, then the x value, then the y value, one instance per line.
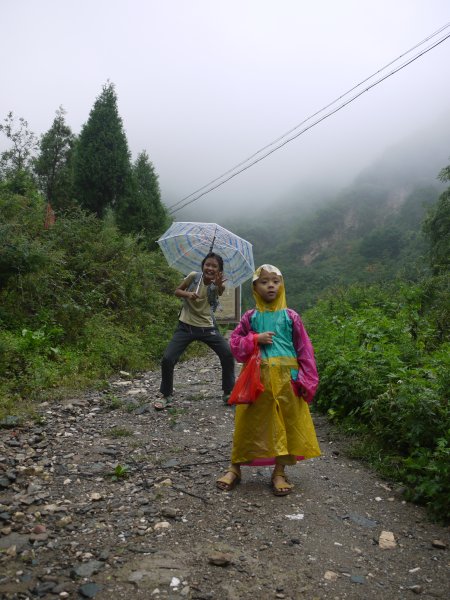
pixel 210 270
pixel 268 285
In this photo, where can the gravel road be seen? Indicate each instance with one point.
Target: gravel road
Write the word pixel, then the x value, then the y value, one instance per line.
pixel 103 497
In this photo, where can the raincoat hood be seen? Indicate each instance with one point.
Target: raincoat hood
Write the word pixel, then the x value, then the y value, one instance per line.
pixel 280 301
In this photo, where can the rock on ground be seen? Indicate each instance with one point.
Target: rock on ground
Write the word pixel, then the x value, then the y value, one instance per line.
pixel 103 496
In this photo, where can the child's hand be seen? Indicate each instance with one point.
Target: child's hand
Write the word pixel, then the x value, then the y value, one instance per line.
pixel 192 296
pixel 266 337
pixel 220 280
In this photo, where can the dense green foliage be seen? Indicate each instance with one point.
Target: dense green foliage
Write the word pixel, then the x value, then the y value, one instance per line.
pixel 437 228
pixel 53 164
pixel 77 302
pixel 359 238
pixel 92 171
pixel 384 362
pixel 102 171
pixel 18 158
pixel 83 297
pixel 142 211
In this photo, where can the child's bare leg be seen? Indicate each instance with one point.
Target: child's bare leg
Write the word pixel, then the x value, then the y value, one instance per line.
pixel 280 483
pixel 231 478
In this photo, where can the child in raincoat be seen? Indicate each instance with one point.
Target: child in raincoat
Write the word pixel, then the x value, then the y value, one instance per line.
pixel 277 428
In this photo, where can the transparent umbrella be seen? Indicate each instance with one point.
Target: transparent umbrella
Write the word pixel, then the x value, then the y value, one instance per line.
pixel 185 245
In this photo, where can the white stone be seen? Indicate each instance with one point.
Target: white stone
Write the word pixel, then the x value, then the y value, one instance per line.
pixel 161 525
pixel 165 482
pixel 386 540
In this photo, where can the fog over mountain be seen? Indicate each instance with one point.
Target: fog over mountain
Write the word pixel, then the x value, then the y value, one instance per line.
pixel 414 160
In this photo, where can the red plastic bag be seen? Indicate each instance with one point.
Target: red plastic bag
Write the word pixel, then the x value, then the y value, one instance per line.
pixel 248 385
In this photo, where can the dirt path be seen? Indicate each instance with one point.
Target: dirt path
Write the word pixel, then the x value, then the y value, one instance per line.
pixel 160 529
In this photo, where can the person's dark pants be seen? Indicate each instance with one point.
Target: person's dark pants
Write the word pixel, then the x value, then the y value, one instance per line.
pixel 185 335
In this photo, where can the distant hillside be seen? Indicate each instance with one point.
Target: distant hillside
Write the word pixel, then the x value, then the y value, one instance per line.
pixel 369 232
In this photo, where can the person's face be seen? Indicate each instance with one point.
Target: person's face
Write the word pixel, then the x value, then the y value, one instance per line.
pixel 210 270
pixel 268 285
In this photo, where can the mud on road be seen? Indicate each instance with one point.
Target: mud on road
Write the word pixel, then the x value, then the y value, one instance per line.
pixel 104 497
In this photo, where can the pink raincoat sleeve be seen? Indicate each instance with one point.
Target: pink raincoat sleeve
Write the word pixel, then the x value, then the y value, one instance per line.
pixel 242 341
pixel 308 377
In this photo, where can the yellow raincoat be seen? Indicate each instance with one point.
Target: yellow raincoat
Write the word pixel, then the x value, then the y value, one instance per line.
pixel 278 424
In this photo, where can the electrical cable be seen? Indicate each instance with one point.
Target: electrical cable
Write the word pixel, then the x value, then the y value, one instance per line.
pixel 312 116
pixel 175 207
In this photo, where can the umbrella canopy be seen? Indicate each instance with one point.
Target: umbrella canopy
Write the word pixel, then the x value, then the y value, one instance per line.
pixel 185 245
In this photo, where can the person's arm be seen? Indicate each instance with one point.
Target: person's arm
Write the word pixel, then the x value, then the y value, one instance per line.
pixel 183 292
pixel 308 377
pixel 242 339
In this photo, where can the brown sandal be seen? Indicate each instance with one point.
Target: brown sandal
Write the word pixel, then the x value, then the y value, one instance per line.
pixel 281 489
pixel 227 486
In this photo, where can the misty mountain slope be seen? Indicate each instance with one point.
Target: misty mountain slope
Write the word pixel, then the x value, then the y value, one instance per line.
pixel 370 232
pixel 367 235
pixel 415 160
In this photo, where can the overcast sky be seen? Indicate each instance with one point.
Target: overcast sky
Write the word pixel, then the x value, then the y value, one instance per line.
pixel 203 84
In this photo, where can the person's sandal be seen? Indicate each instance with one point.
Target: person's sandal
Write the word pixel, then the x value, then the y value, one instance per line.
pixel 227 486
pixel 163 403
pixel 279 488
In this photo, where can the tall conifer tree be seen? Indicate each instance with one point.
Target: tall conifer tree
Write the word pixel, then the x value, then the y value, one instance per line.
pixel 53 165
pixel 102 170
pixel 142 211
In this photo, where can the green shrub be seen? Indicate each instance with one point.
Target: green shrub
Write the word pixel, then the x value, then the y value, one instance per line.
pixel 384 363
pixel 110 347
pixel 78 301
pixel 408 415
pixel 427 474
pixel 346 382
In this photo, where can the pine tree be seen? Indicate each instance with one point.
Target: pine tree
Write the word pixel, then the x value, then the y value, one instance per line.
pixel 142 211
pixel 102 170
pixel 53 165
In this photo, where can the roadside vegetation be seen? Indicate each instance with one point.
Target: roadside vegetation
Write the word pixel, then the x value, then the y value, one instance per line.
pixel 84 293
pixel 384 362
pixel 78 302
pixel 383 353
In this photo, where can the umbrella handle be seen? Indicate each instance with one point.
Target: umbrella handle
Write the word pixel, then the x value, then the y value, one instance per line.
pixel 198 285
pixel 213 240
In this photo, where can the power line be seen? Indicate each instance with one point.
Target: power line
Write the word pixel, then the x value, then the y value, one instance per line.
pixel 312 116
pixel 234 174
pixel 236 170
